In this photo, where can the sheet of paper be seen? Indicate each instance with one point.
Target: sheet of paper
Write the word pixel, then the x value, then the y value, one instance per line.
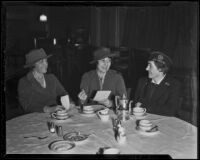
pixel 65 101
pixel 101 95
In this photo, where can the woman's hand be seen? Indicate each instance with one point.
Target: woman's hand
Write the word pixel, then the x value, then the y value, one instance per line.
pixel 106 102
pixel 82 96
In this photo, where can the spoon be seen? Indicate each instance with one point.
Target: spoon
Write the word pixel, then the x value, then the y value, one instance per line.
pixel 153 128
pixel 101 150
pixel 36 137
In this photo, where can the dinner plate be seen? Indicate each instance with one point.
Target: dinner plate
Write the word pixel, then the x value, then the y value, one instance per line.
pixel 75 137
pixel 61 145
pixel 147 133
pixel 58 117
pixel 88 111
pixel 88 114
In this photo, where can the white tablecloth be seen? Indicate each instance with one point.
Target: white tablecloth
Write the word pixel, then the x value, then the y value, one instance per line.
pixel 176 137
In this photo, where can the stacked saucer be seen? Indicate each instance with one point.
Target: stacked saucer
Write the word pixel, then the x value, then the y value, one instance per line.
pixel 88 109
pixel 147 128
pixel 145 125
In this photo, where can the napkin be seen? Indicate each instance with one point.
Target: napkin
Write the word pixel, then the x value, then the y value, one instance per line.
pixel 65 101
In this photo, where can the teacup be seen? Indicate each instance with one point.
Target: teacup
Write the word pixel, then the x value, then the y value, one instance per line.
pixel 60 114
pixel 88 109
pixel 139 111
pixel 145 125
pixel 111 151
pixel 104 116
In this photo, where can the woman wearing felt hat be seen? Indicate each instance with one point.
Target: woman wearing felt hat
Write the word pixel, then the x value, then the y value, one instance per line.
pixel 102 78
pixel 37 90
pixel 159 93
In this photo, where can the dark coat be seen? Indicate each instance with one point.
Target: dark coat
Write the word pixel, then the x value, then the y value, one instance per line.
pixel 33 97
pixel 165 98
pixel 113 81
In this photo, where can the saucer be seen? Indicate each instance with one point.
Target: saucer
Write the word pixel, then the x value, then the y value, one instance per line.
pixel 111 151
pixel 147 133
pixel 88 115
pixel 88 111
pixel 61 145
pixel 140 117
pixel 60 113
pixel 75 137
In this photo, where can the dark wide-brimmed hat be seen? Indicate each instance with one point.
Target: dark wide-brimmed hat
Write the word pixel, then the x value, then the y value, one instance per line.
pixel 161 58
pixel 35 55
pixel 102 53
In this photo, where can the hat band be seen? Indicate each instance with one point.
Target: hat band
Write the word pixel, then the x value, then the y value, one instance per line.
pixel 157 60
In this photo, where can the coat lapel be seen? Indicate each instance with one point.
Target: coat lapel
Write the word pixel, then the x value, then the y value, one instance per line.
pixel 34 83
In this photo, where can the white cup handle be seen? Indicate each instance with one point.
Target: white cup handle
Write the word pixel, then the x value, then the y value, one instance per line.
pixel 98 113
pixel 53 115
pixel 145 110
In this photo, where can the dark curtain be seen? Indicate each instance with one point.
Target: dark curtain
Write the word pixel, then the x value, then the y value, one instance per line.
pixel 167 29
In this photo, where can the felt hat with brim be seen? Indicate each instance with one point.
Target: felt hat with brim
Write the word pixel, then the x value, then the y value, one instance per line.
pixel 102 53
pixel 160 58
pixel 34 56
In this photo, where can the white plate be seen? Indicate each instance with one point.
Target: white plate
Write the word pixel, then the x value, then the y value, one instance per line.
pixel 140 117
pixel 98 107
pixel 61 145
pixel 88 112
pixel 146 133
pixel 74 137
pixel 88 115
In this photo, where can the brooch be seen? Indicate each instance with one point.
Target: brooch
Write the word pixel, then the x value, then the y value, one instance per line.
pixel 167 84
pixel 160 57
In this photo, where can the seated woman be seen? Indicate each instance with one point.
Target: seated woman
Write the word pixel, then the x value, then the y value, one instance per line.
pixel 159 93
pixel 102 78
pixel 37 90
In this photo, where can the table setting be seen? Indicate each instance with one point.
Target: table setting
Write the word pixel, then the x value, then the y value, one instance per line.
pixel 107 131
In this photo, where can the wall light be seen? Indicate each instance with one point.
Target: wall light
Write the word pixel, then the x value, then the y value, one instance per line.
pixel 54 41
pixel 43 18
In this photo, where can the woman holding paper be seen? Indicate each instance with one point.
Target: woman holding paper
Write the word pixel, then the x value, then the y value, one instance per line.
pixel 37 90
pixel 103 78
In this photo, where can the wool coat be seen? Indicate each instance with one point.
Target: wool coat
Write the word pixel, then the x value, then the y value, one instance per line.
pixel 162 99
pixel 33 97
pixel 113 81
